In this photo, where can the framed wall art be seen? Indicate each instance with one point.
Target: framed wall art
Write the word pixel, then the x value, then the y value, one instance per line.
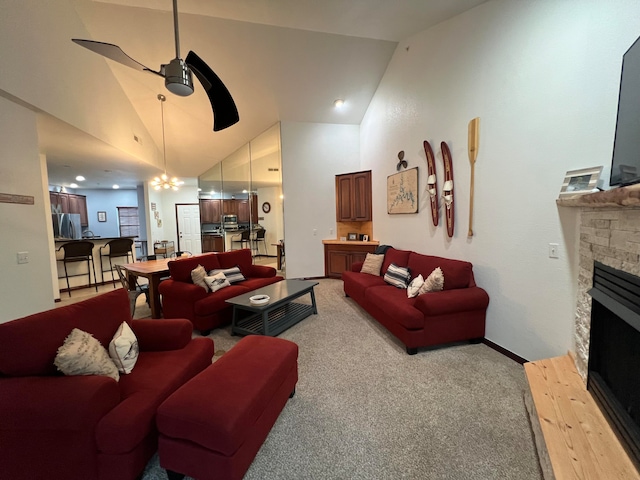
pixel 402 192
pixel 102 216
pixel 578 182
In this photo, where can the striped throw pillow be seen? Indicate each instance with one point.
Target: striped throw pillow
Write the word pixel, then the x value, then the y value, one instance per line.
pixel 397 276
pixel 233 274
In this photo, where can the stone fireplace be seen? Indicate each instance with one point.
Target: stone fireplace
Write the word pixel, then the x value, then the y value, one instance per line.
pixel 609 235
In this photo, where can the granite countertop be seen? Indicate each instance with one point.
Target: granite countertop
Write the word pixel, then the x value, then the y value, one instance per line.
pixel 65 240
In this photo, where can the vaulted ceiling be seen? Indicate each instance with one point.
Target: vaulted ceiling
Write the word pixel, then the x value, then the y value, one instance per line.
pixel 282 60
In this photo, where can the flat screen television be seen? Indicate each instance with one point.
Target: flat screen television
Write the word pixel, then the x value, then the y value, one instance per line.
pixel 625 166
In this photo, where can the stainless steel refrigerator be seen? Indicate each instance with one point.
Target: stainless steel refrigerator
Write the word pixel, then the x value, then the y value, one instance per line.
pixel 66 226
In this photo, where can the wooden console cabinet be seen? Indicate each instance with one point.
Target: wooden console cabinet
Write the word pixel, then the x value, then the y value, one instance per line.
pixel 339 256
pixel 353 197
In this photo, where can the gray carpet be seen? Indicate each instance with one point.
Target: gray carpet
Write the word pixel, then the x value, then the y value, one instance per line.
pixel 364 409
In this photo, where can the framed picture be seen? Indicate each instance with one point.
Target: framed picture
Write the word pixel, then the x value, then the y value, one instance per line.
pixel 365 238
pixel 578 182
pixel 352 236
pixel 102 216
pixel 402 192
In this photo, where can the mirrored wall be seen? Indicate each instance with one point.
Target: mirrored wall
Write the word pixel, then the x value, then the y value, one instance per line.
pixel 241 201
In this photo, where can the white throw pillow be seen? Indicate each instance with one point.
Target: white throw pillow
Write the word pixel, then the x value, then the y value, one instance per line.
pixel 217 281
pixel 82 354
pixel 434 282
pixel 414 286
pixel 123 348
pixel 372 264
pixel 197 277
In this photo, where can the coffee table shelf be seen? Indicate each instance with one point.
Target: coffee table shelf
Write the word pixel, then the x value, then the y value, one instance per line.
pixel 278 321
pixel 276 316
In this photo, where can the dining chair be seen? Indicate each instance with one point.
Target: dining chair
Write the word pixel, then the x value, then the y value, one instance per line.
pixel 133 293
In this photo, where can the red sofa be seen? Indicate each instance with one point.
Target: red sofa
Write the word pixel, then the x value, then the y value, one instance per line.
pixel 88 427
pixel 207 310
pixel 454 314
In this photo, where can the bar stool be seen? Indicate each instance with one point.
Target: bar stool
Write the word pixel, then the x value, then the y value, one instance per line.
pixel 119 247
pixel 244 239
pixel 78 252
pixel 260 238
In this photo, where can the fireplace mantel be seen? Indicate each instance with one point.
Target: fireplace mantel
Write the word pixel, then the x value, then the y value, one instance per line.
pixel 616 197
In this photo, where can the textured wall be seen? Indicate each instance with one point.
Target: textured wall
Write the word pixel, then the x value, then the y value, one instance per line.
pixel 612 237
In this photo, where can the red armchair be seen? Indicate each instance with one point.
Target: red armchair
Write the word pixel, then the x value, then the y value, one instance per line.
pixel 88 427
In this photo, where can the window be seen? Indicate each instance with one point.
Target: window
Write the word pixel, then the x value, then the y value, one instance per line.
pixel 129 222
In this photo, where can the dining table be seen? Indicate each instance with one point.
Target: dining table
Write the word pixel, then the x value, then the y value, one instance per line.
pixel 153 271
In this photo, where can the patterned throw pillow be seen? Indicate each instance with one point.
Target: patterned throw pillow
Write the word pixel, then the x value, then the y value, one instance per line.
pixel 82 354
pixel 372 264
pixel 123 348
pixel 217 281
pixel 434 282
pixel 197 277
pixel 414 286
pixel 397 276
pixel 233 274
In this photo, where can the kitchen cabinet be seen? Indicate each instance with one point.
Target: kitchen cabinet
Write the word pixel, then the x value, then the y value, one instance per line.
pixel 210 211
pixel 353 197
pixel 253 201
pixel 78 204
pixel 70 203
pixel 244 214
pixel 339 256
pixel 212 243
pixel 230 207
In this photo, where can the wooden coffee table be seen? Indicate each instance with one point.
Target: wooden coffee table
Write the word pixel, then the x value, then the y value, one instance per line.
pixel 276 316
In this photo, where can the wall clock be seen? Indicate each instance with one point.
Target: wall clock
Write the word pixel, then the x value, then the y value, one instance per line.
pixel 266 207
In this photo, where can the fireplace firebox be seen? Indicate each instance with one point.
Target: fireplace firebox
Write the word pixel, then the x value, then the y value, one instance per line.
pixel 614 353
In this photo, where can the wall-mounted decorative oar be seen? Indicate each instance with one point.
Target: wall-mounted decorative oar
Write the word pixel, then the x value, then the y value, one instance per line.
pixel 474 126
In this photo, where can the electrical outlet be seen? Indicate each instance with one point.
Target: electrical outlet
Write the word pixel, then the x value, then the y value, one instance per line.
pixel 553 250
pixel 315 232
pixel 23 257
pixel 331 231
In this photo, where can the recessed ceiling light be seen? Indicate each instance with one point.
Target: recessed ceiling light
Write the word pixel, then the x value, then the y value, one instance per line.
pixel 115 187
pixel 338 103
pixel 199 189
pixel 80 178
pixel 73 185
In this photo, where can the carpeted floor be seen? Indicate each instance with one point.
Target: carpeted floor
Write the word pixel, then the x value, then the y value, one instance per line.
pixel 364 409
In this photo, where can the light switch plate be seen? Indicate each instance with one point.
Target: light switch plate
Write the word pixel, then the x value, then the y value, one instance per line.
pixel 23 257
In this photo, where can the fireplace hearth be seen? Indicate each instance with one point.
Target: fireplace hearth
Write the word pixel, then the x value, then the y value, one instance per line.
pixel 614 353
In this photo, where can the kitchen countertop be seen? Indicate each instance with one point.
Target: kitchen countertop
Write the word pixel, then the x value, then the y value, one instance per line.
pixel 65 240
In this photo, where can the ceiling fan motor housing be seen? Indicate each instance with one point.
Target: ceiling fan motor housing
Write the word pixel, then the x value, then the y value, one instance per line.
pixel 178 78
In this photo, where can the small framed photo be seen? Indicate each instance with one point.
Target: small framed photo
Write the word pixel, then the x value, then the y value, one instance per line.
pixel 365 238
pixel 579 182
pixel 102 216
pixel 352 236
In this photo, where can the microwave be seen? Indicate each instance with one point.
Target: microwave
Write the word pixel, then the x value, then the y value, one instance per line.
pixel 229 219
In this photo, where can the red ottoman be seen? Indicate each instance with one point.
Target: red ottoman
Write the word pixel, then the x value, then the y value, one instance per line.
pixel 213 426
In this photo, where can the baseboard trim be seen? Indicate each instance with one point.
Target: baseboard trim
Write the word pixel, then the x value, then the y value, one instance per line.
pixel 504 351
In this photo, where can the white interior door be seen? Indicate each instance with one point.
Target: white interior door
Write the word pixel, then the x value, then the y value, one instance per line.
pixel 189 239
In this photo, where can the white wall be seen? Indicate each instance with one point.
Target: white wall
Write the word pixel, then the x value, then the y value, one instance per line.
pixel 312 154
pixel 543 78
pixel 24 288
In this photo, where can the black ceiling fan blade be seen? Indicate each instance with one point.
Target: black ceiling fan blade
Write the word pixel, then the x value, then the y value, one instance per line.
pixel 113 52
pixel 224 108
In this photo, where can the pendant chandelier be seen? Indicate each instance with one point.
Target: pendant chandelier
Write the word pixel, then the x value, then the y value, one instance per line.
pixel 163 181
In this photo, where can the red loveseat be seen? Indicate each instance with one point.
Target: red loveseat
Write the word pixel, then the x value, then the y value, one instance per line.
pixel 208 310
pixel 88 427
pixel 454 314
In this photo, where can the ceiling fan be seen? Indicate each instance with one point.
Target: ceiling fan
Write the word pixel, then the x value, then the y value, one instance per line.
pixel 177 75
